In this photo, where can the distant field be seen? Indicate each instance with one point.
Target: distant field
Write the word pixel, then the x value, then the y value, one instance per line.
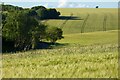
pixel 86 20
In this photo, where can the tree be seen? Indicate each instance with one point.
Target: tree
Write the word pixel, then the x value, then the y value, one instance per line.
pixel 53 34
pixel 42 13
pixel 31 12
pixel 23 29
pixel 4 16
pixel 53 14
pixel 97 6
pixel 38 7
pixel 10 8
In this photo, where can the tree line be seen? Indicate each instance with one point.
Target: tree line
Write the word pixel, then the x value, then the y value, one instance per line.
pixel 22 31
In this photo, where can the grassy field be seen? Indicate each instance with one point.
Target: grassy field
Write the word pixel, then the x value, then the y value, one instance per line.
pixel 90 54
pixel 86 20
pixel 83 60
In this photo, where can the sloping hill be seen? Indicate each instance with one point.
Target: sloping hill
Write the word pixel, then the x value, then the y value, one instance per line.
pixel 92 54
pixel 85 20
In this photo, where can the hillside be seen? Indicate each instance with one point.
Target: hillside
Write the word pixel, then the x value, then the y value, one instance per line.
pixel 89 48
pixel 75 20
pixel 89 55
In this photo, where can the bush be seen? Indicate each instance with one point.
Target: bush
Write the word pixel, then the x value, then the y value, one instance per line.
pixel 53 34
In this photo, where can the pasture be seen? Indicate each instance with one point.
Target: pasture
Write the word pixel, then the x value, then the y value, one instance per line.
pixel 86 20
pixel 89 48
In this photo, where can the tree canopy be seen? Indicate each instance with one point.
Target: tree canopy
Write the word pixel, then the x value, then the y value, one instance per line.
pixel 53 34
pixel 45 13
pixel 10 8
pixel 21 29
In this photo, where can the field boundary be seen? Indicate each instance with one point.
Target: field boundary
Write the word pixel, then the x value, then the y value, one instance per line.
pixel 104 22
pixel 84 23
pixel 62 25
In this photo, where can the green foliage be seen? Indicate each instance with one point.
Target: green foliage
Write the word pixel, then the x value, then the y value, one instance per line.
pixel 53 14
pixel 10 8
pixel 23 29
pixel 39 11
pixel 4 16
pixel 44 13
pixel 31 12
pixel 53 34
pixel 38 7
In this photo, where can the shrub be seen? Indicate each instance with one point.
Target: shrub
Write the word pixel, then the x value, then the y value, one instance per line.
pixel 53 34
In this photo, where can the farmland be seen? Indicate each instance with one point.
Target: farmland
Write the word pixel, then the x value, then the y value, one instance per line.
pixel 78 23
pixel 89 48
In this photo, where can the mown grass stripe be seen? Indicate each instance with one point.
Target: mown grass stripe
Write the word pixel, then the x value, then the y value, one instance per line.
pixel 104 22
pixel 84 24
